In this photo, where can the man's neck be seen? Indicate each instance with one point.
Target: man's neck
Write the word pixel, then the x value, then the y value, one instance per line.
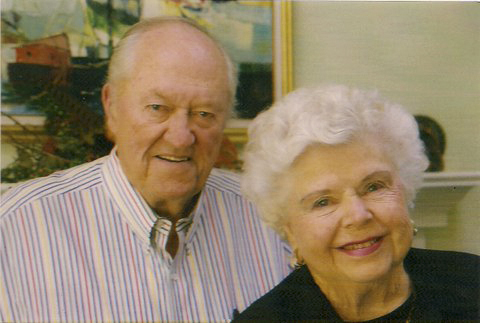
pixel 177 209
pixel 174 215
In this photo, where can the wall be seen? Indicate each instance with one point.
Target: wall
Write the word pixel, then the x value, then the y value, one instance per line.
pixel 424 55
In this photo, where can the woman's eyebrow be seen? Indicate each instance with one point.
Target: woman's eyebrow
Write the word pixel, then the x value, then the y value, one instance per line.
pixel 316 193
pixel 382 174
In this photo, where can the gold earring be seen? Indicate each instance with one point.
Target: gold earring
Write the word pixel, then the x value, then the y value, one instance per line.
pixel 298 261
pixel 415 229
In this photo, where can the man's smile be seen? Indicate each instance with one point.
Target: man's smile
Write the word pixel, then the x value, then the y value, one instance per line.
pixel 175 159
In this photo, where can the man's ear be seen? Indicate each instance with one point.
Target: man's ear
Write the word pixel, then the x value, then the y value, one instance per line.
pixel 110 111
pixel 107 99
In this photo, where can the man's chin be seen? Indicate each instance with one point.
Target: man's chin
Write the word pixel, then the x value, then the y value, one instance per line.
pixel 176 187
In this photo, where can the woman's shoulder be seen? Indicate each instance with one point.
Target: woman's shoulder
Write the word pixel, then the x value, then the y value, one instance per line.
pixel 446 282
pixel 272 305
pixel 444 267
pixel 286 301
pixel 442 261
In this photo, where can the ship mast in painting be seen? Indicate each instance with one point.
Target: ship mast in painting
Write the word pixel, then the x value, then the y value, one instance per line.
pixel 73 54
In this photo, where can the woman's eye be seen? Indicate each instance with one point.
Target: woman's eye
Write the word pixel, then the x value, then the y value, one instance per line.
pixel 321 203
pixel 373 187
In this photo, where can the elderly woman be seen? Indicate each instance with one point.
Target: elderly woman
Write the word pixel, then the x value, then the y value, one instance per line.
pixel 334 171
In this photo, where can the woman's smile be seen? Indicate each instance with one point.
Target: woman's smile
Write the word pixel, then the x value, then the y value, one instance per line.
pixel 362 248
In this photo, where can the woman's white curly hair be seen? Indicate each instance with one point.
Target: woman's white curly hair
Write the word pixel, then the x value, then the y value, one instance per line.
pixel 330 115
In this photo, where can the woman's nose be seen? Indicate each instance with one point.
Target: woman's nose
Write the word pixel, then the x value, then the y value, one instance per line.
pixel 357 212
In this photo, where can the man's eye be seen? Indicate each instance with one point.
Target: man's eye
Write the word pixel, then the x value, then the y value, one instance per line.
pixel 205 114
pixel 155 107
pixel 204 119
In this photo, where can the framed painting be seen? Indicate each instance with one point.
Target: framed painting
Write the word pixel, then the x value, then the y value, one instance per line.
pixel 55 55
pixel 281 67
pixel 54 60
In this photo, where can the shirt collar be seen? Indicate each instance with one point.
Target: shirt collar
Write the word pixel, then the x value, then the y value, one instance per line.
pixel 138 214
pixel 136 211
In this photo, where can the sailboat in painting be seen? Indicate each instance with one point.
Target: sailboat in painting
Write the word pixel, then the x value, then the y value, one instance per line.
pixel 47 62
pixel 67 43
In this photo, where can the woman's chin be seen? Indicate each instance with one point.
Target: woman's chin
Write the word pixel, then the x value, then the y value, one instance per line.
pixel 368 270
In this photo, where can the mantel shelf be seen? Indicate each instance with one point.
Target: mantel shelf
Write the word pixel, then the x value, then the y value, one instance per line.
pixel 450 179
pixel 440 194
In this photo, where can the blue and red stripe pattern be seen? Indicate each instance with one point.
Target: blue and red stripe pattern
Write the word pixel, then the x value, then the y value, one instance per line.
pixel 75 246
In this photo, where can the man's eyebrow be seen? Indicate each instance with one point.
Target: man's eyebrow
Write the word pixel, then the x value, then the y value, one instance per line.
pixel 153 94
pixel 156 93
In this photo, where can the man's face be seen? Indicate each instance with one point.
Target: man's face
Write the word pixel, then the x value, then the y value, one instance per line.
pixel 168 115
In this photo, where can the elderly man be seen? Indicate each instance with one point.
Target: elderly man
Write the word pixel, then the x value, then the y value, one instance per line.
pixel 150 232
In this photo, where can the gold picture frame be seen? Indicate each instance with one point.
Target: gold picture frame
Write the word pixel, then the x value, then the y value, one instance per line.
pixel 236 129
pixel 19 129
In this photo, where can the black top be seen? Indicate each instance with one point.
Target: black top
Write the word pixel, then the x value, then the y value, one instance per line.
pixel 446 285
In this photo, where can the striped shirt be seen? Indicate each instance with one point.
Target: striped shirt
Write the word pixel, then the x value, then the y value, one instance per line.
pixel 75 246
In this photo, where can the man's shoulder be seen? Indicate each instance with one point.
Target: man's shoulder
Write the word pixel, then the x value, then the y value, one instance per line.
pixel 68 180
pixel 224 180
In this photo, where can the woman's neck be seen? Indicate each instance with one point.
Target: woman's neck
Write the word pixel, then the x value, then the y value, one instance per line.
pixel 366 301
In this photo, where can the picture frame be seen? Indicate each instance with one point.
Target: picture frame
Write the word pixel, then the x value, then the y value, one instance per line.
pixel 282 63
pixel 281 53
pixel 22 128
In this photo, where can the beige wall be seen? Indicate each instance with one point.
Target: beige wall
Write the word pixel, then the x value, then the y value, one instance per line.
pixel 463 230
pixel 425 56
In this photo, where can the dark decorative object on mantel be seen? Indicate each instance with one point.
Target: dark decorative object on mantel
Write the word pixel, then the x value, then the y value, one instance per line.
pixel 435 142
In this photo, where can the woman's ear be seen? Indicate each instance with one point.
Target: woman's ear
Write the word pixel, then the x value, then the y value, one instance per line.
pixel 297 259
pixel 289 235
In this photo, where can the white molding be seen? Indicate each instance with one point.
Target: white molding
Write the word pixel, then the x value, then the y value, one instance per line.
pixel 439 196
pixel 451 179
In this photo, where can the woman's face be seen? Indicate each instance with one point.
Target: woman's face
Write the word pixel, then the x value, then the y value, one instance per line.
pixel 346 212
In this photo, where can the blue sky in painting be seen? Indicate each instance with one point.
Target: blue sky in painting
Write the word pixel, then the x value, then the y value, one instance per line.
pixel 243 28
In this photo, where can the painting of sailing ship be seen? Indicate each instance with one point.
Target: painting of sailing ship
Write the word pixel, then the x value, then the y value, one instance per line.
pixel 64 45
pixel 55 55
pixel 60 48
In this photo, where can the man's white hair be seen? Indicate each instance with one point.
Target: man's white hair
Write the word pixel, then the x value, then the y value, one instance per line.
pixel 122 58
pixel 329 115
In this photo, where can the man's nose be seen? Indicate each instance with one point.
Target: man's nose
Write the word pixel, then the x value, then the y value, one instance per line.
pixel 357 212
pixel 179 133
